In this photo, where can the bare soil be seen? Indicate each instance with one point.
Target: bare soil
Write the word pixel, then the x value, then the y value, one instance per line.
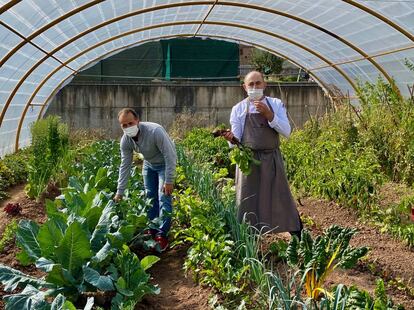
pixel 177 291
pixel 388 258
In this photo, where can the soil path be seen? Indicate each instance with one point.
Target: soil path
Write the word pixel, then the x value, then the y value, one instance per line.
pixel 177 291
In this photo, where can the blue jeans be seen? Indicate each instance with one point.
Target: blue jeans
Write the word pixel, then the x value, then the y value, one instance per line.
pixel 154 176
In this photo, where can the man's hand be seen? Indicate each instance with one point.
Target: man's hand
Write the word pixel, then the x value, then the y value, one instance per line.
pixel 168 189
pixel 263 109
pixel 228 135
pixel 117 198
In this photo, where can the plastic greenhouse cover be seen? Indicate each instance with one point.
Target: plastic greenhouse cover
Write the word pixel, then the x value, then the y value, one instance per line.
pixel 43 43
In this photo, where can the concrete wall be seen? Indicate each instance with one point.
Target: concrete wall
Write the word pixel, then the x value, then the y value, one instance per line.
pixel 96 106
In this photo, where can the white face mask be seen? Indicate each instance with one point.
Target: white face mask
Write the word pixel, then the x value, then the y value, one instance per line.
pixel 131 131
pixel 255 93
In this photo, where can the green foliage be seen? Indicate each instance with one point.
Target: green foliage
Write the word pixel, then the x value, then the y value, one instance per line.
pixel 8 234
pixel 132 283
pixel 13 170
pixel 360 299
pixel 50 140
pixel 79 246
pixel 348 154
pixel 321 162
pixel 211 255
pixel 243 157
pixel 266 62
pixel 316 259
pixel 213 153
pixel 396 219
pixel 223 253
pixel 387 126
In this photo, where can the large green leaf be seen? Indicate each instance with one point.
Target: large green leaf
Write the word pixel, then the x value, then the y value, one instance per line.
pixel 53 211
pixel 11 278
pixel 26 236
pixel 122 287
pixel 103 227
pixel 30 299
pixel 148 261
pixel 49 237
pixel 92 217
pixel 45 264
pixel 89 201
pixel 104 283
pixel 24 258
pixel 60 303
pixel 74 248
pixel 74 183
pixel 292 252
pixel 103 253
pixel 61 276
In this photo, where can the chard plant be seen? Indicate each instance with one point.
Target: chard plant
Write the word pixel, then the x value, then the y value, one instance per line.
pixel 317 258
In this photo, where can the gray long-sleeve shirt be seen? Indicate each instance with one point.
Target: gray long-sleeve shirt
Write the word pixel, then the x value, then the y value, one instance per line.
pixel 156 146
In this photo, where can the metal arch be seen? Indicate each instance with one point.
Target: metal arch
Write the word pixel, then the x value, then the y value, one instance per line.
pixel 144 29
pixel 213 3
pixel 86 6
pixel 205 18
pixel 30 42
pixel 46 27
pixel 10 98
pixel 326 31
pixel 8 5
pixel 381 17
pixel 340 71
pixel 322 84
pixel 371 56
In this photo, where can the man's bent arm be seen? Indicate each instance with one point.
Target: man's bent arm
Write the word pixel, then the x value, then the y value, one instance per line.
pixel 125 167
pixel 167 149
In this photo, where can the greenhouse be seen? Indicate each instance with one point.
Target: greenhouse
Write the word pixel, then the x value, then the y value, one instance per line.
pixel 77 223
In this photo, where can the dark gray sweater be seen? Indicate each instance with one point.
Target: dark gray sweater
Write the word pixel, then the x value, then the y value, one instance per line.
pixel 156 146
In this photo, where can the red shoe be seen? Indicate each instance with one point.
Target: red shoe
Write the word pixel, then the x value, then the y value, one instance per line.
pixel 162 242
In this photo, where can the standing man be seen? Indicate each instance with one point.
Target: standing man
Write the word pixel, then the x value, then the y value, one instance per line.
pixel 263 197
pixel 153 142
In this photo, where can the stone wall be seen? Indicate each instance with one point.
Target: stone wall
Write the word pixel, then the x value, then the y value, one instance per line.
pixel 97 106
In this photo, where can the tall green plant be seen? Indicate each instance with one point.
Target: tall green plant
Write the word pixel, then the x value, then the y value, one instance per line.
pixel 49 145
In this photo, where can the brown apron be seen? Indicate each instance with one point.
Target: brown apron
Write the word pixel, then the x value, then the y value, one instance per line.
pixel 264 197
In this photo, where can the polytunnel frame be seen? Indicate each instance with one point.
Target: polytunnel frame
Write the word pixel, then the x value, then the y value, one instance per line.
pixel 213 4
pixel 186 35
pixel 160 7
pixel 28 103
pixel 141 11
pixel 49 54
